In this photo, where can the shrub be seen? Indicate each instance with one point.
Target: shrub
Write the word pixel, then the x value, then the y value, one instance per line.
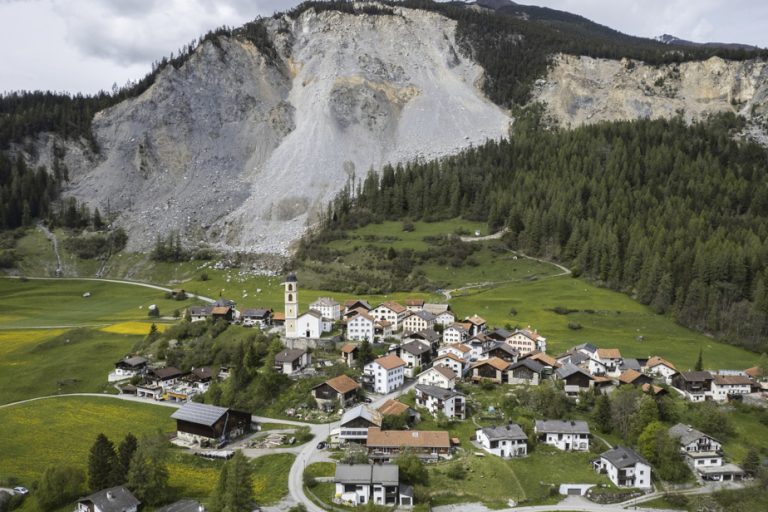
pixel 574 326
pixel 456 472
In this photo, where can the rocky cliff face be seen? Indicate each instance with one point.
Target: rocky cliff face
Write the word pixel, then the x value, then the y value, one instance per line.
pixel 581 90
pixel 242 152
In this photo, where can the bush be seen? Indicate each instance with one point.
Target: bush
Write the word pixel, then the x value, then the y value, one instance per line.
pixel 204 276
pixel 574 326
pixel 456 472
pixel 309 481
pixel 408 226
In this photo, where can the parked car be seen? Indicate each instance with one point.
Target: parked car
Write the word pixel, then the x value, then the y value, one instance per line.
pixel 367 400
pixel 321 445
pixel 21 490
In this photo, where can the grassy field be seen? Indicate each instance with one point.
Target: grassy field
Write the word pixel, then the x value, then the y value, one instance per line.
pixel 390 234
pixel 61 430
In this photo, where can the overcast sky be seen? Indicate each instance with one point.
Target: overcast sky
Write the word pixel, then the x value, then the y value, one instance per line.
pixel 87 45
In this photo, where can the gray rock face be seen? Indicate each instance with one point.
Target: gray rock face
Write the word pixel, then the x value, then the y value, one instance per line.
pixel 242 153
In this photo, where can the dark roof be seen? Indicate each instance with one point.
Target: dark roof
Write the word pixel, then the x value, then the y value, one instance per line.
pixel 258 313
pixel 697 376
pixel 416 348
pixel 499 334
pixel 182 506
pixel 133 361
pixel 437 392
pixel 200 414
pixel 504 347
pixel 168 372
pixel 425 334
pixel 291 278
pixel 204 372
pixel 568 369
pixel 686 434
pixel 562 427
pixel 114 499
pixel 387 474
pixel 531 364
pixel 586 346
pixel 424 315
pixel 289 355
pixel 200 310
pixel 630 364
pixel 623 457
pixel 511 431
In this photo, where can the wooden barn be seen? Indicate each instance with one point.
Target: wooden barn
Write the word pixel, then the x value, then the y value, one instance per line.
pixel 208 424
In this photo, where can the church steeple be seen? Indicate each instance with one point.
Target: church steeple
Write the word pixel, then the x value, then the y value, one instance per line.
pixel 291 305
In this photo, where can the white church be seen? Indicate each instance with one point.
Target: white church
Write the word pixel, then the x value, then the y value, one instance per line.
pixel 307 325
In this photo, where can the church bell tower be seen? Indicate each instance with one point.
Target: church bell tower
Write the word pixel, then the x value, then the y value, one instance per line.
pixel 291 305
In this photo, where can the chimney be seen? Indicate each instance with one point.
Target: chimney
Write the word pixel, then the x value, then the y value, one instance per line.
pixel 110 496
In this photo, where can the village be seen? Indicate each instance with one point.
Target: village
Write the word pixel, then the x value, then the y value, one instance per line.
pixel 418 360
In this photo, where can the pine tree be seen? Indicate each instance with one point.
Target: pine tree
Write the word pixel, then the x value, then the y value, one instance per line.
pixel 364 354
pixel 124 455
pixel 751 462
pixel 234 491
pixel 148 475
pixel 699 362
pixel 602 413
pixel 101 460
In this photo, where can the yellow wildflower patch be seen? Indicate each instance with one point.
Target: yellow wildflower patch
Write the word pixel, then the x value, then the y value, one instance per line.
pixel 133 328
pixel 15 339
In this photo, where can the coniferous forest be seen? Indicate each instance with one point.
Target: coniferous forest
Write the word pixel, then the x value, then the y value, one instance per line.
pixel 675 215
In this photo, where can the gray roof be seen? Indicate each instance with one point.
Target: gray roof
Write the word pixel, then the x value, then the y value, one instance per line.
pixel 586 346
pixel 182 506
pixel 501 334
pixel 424 315
pixel 221 302
pixel 686 434
pixel 361 411
pixel 562 427
pixel 416 348
pixel 133 361
pixel 505 347
pixel 436 309
pixel 315 313
pixel 324 301
pixel 425 334
pixel 696 376
pixel 623 457
pixel 114 499
pixel 569 369
pixel 201 414
pixel 387 474
pixel 258 313
pixel 438 392
pixel 200 310
pixel 289 355
pixel 511 431
pixel 630 364
pixel 291 278
pixel 531 364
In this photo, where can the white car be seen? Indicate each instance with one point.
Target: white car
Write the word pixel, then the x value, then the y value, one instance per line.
pixel 21 490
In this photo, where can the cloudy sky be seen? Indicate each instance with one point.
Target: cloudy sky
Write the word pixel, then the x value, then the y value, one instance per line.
pixel 87 45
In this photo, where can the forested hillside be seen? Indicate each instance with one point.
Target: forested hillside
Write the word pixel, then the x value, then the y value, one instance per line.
pixel 675 215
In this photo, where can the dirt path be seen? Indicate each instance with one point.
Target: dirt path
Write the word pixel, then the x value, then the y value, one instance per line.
pixel 55 243
pixel 494 236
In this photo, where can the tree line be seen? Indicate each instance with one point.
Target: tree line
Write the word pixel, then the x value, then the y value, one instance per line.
pixel 674 215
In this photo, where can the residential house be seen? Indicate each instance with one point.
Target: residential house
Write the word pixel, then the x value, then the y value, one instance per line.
pixel 183 506
pixel 292 360
pixel 443 314
pixel 336 392
pixel 200 378
pixel 504 441
pixel 416 355
pixel 223 309
pixel 544 359
pixel 114 499
pixel 624 467
pixel 660 367
pixel 606 361
pixel 355 423
pixel 392 312
pixel 382 329
pixel 493 370
pixel 634 378
pixel 569 435
pixel 476 324
pixel 498 334
pixel 259 317
pixel 458 365
pixel 439 375
pixel 328 308
pixel 428 336
pixel 379 484
pixel 349 353
pixel 503 351
pixel 727 387
pixel 310 324
pixel 208 424
pixel 463 352
pixel 436 399
pixel 199 313
pixel 416 321
pixel 414 304
pixel 756 374
pixel 455 333
pixel 526 371
pixel 385 445
pixel 653 390
pixel 576 379
pixel 127 368
pixel 478 344
pixel 527 340
pixel 387 372
pixel 354 304
pixel 163 377
pixel 392 407
pixel 696 386
pixel 703 454
pixel 361 326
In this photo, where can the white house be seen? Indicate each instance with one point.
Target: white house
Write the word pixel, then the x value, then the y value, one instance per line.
pixel 565 435
pixel 360 484
pixel 505 441
pixel 114 499
pixel 388 373
pixel 448 401
pixel 625 468
pixel 699 448
pixel 442 312
pixel 458 365
pixel 463 352
pixel 292 360
pixel 526 341
pixel 361 327
pixel 725 386
pixel 455 333
pixel 439 375
pixel 415 354
pixel 476 323
pixel 416 321
pixel 309 324
pixel 327 307
pixel 127 368
pixel 259 317
pixel 607 361
pixel 392 312
pixel 414 304
pixel 526 371
pixel 199 313
pixel 355 423
pixel 660 367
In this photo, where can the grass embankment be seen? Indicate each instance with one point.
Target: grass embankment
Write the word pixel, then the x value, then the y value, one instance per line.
pixel 60 431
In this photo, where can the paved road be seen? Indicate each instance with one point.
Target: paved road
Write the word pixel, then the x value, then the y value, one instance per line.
pixel 117 281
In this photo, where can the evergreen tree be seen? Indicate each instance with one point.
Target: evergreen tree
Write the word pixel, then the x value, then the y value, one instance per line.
pixel 124 455
pixel 364 354
pixel 602 413
pixel 148 475
pixel 234 491
pixel 59 485
pixel 751 462
pixel 101 460
pixel 699 366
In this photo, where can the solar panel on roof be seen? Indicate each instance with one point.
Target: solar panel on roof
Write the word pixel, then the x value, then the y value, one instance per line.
pixel 201 414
